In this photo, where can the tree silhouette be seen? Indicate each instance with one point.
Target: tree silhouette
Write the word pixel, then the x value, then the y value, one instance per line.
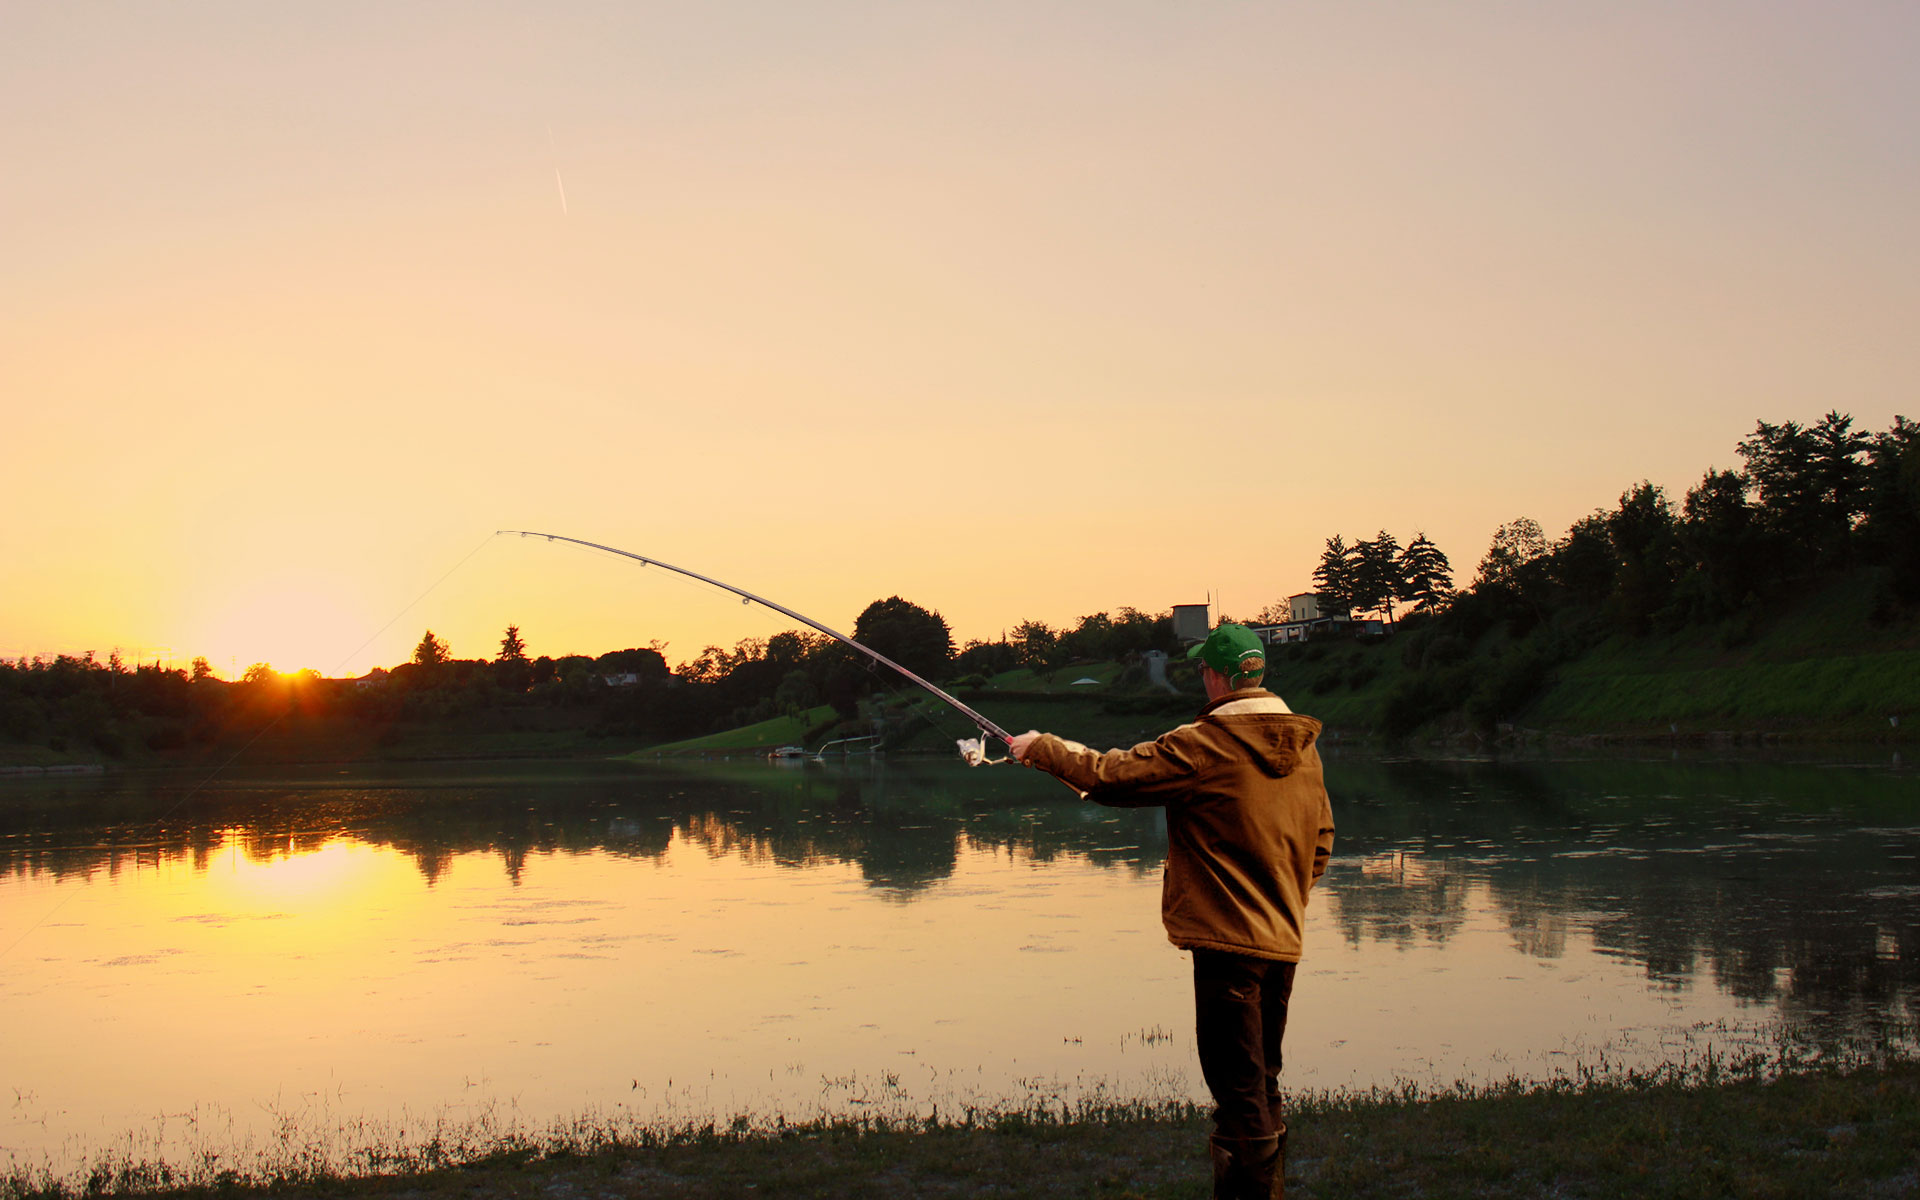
pixel 431 651
pixel 1891 532
pixel 1426 573
pixel 1035 646
pixel 1377 581
pixel 1515 545
pixel 512 649
pixel 1646 546
pixel 1723 546
pixel 916 638
pixel 1812 487
pixel 1334 578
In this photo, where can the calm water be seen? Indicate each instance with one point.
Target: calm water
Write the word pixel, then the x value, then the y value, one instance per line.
pixel 292 958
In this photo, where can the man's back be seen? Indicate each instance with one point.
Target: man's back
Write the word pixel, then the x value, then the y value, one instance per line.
pixel 1249 830
pixel 1249 827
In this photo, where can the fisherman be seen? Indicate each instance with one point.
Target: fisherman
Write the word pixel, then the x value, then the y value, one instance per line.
pixel 1249 831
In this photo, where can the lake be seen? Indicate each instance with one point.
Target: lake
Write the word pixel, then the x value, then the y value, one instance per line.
pixel 343 959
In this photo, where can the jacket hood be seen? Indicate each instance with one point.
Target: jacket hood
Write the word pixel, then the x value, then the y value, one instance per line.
pixel 1273 735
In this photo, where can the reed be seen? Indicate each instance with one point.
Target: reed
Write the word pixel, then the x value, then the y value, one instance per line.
pixel 1791 1119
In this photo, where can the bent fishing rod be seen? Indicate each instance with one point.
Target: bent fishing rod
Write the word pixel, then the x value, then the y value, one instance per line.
pixel 971 749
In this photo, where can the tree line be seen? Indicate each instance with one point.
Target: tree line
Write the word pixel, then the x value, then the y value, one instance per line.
pixel 1809 504
pixel 1372 576
pixel 70 703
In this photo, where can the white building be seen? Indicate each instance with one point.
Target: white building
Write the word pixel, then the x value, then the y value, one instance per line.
pixel 1306 620
pixel 1192 622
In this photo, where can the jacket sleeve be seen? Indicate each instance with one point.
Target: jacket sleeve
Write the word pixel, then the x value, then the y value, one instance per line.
pixel 1148 774
pixel 1323 845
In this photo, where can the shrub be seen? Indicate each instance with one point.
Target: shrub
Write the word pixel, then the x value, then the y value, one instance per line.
pixel 1417 699
pixel 1506 688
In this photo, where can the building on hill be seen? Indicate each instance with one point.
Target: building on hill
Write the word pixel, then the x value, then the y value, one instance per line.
pixel 1192 622
pixel 1308 620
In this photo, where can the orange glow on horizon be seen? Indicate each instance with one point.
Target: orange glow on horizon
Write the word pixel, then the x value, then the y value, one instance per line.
pixel 967 306
pixel 294 622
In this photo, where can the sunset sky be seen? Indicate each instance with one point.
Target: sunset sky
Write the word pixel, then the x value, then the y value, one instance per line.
pixel 1016 310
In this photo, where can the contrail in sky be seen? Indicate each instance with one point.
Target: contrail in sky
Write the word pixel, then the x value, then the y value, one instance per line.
pixel 556 173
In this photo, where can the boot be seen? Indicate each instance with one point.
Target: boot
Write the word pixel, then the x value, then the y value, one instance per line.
pixel 1277 1111
pixel 1221 1150
pixel 1262 1164
pixel 1246 1169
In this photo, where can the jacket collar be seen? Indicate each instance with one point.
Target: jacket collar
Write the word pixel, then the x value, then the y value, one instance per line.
pixel 1243 702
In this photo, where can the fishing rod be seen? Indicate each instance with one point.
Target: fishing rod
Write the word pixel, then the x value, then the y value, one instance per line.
pixel 971 749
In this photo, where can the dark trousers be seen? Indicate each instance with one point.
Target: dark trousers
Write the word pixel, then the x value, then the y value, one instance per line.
pixel 1241 1008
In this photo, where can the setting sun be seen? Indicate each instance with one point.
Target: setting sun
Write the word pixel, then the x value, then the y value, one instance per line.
pixel 293 622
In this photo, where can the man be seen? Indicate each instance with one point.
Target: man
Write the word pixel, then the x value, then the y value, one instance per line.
pixel 1249 831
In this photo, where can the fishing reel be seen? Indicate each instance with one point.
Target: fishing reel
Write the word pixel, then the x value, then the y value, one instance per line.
pixel 973 751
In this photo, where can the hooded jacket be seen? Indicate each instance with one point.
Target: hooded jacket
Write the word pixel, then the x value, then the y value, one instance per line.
pixel 1249 827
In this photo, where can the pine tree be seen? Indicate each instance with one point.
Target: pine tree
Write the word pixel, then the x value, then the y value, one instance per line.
pixel 512 649
pixel 1427 574
pixel 1334 577
pixel 1376 574
pixel 431 651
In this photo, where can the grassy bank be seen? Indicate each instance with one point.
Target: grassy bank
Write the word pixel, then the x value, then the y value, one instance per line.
pixel 1701 1132
pixel 808 729
pixel 1823 667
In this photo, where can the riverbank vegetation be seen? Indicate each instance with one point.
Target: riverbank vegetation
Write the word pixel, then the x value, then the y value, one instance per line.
pixel 1755 1128
pixel 1779 600
pixel 1780 597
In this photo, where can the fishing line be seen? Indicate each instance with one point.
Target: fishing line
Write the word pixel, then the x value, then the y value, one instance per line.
pixel 969 747
pixel 696 587
pixel 214 774
pixel 431 588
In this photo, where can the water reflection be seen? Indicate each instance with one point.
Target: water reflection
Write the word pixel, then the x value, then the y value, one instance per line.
pixel 902 826
pixel 1791 884
pixel 721 938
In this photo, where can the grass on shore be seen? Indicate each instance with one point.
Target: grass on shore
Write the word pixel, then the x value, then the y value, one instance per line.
pixel 762 735
pixel 1751 1130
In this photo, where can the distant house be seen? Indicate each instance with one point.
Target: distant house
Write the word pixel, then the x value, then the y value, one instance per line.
pixel 626 679
pixel 1306 620
pixel 1192 622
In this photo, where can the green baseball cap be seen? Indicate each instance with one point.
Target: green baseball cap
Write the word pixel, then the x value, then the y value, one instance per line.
pixel 1233 650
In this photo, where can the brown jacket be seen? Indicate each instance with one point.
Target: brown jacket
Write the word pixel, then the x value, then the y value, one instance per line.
pixel 1249 828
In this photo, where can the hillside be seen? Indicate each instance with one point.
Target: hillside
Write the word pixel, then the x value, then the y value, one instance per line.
pixel 1817 669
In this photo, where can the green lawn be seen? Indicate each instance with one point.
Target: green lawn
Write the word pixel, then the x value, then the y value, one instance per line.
pixel 765 735
pixel 1843 693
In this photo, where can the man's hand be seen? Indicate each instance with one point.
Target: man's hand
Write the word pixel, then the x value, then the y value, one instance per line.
pixel 1018 747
